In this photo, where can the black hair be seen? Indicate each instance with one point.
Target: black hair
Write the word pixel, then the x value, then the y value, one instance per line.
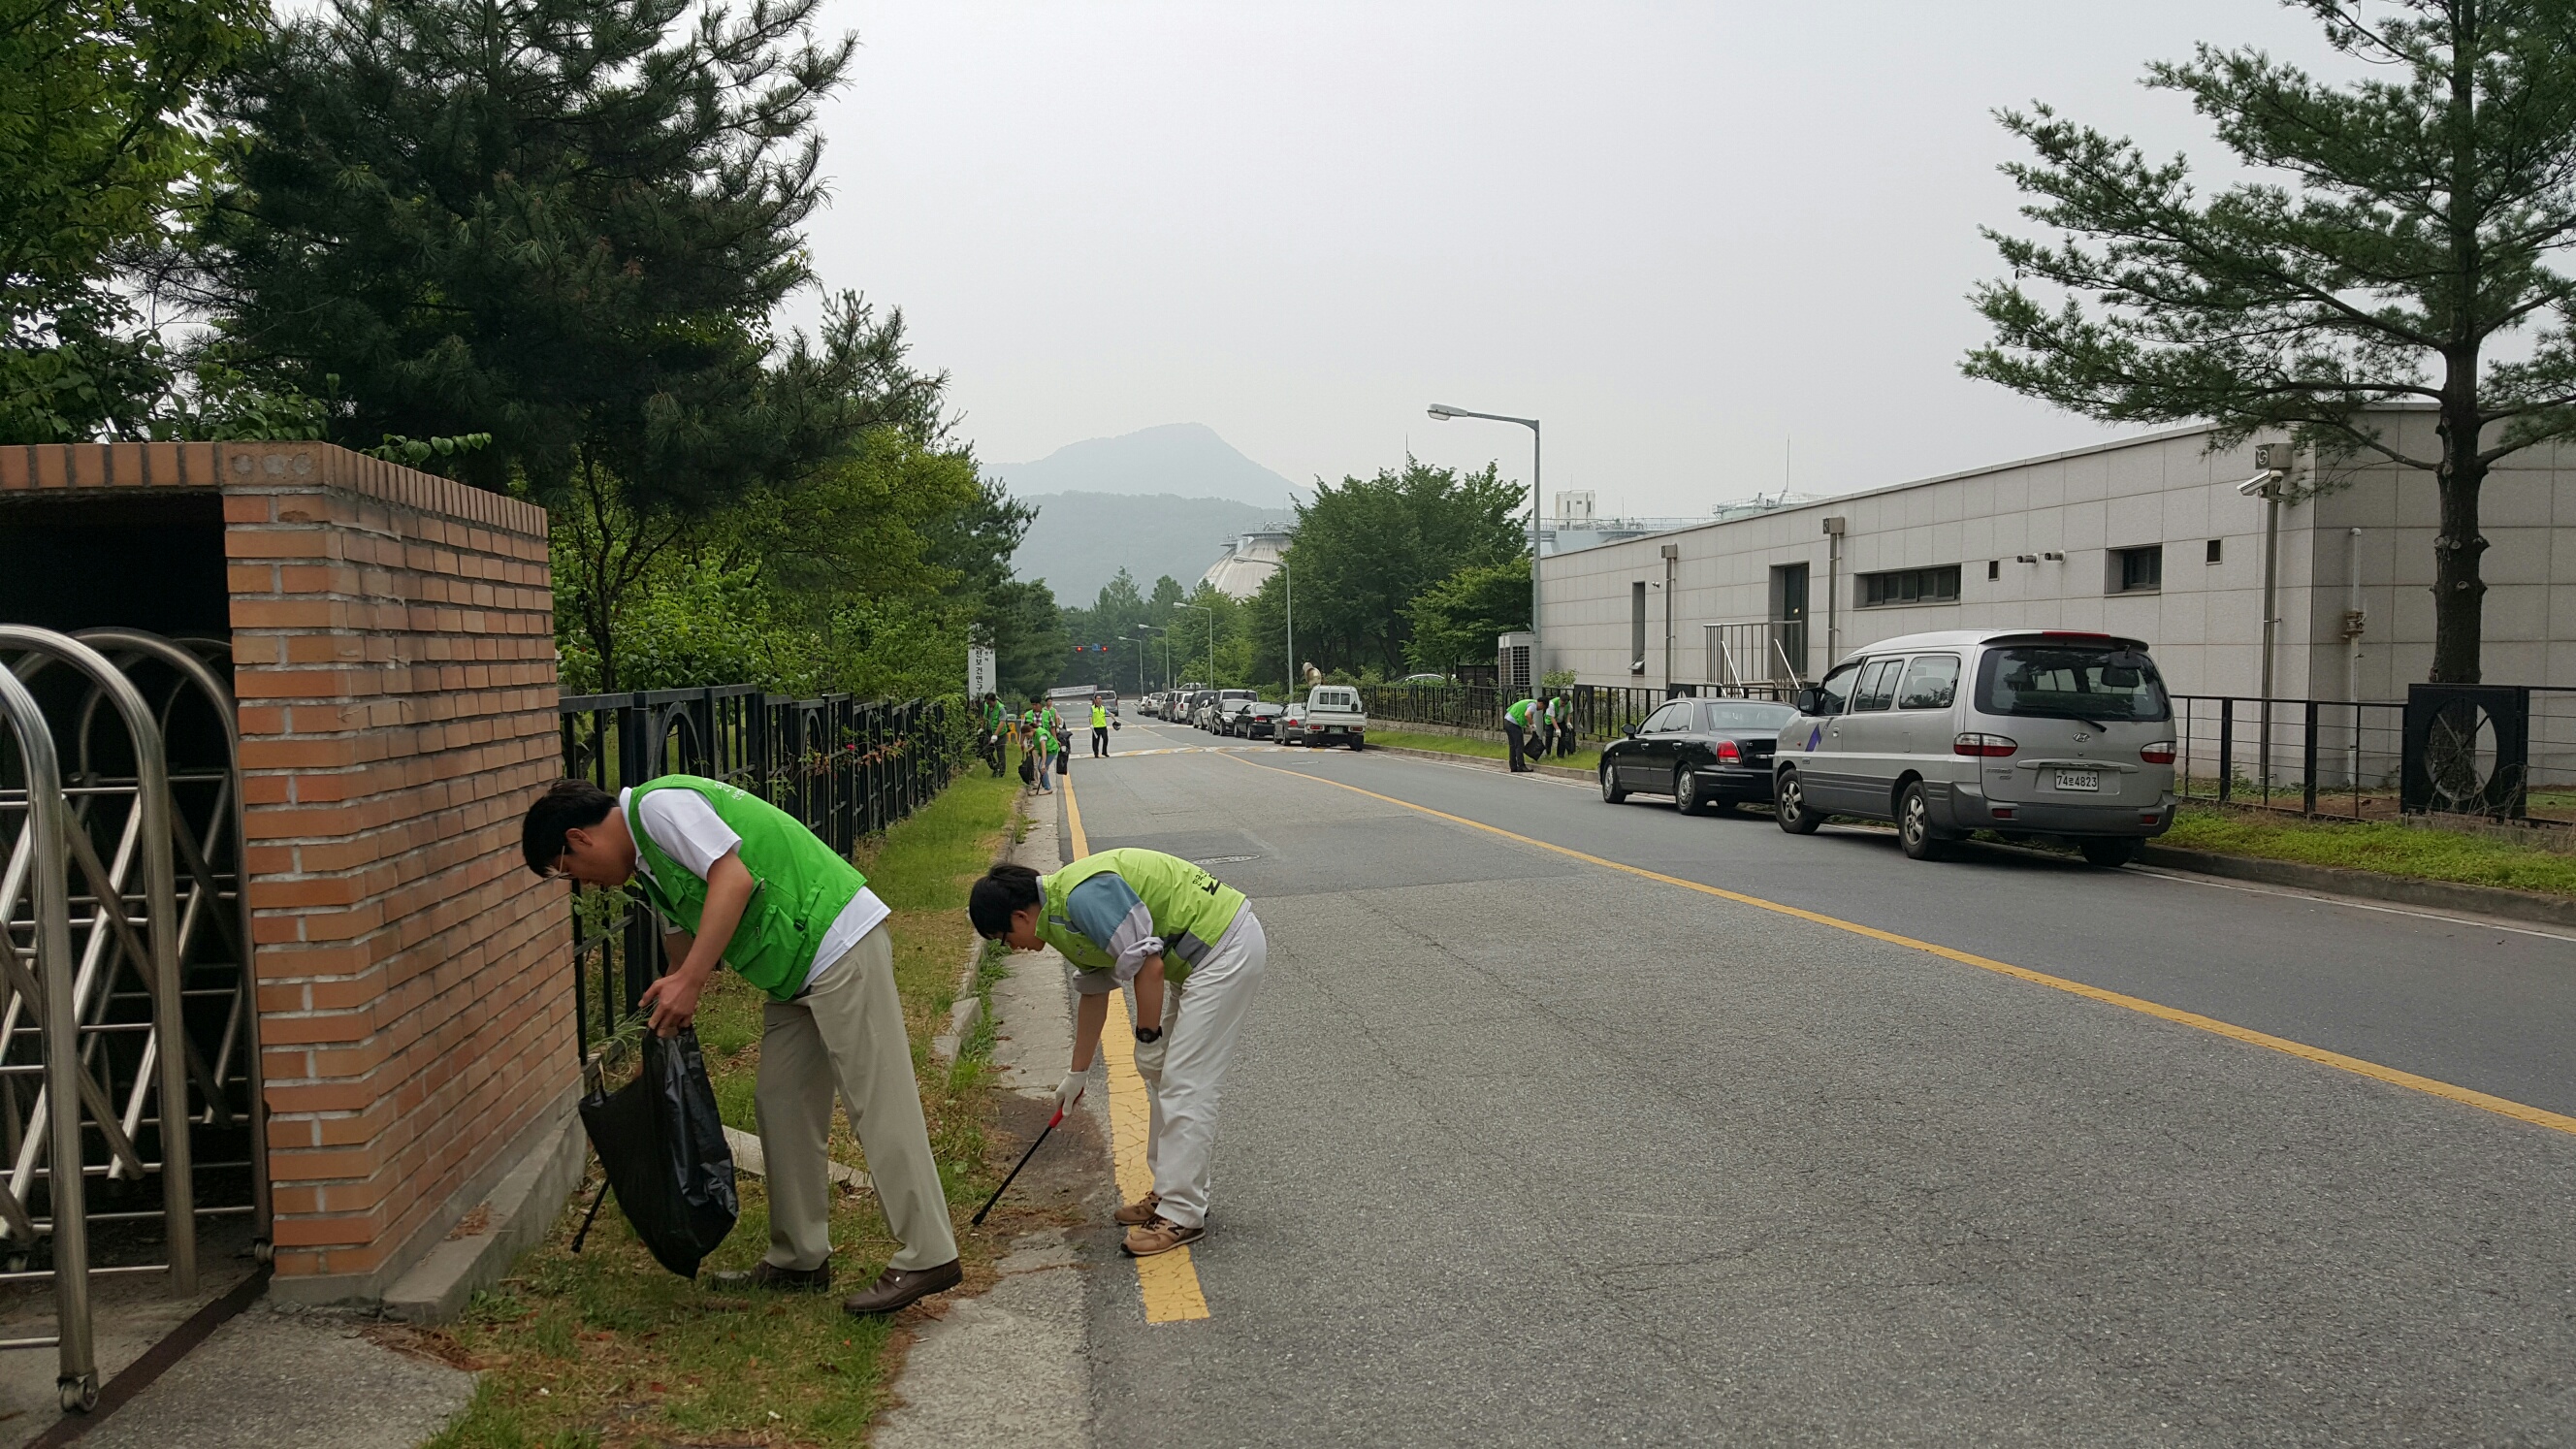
pixel 567 805
pixel 1004 891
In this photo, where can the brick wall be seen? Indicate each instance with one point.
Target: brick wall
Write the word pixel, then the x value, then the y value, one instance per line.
pixel 393 647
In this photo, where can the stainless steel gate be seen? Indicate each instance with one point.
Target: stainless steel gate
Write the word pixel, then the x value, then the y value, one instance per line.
pixel 128 1009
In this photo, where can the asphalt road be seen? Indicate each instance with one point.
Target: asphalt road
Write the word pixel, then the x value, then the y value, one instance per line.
pixel 1523 1149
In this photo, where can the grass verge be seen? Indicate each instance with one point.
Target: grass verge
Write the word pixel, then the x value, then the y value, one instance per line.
pixel 2416 852
pixel 1584 757
pixel 605 1348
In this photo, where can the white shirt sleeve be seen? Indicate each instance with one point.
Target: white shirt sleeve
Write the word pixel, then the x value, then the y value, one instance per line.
pixel 688 830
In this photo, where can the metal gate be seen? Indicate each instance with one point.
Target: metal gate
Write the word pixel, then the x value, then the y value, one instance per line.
pixel 126 995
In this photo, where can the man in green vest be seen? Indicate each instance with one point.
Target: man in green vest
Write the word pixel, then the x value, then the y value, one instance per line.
pixel 993 726
pixel 1099 729
pixel 1042 748
pixel 1194 952
pixel 1516 725
pixel 738 882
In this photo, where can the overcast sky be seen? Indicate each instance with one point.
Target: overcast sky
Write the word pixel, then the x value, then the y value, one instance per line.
pixel 1679 234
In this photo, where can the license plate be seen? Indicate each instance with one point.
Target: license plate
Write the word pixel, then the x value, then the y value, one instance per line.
pixel 2079 780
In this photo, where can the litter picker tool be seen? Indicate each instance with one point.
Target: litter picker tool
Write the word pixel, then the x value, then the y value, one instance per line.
pixel 978 1220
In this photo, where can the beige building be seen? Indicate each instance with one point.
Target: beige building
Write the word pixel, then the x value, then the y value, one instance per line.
pixel 2149 537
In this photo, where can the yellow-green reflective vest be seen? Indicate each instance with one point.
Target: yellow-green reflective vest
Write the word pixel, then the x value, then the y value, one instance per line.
pixel 1191 908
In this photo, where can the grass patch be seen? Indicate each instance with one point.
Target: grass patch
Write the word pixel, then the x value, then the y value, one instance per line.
pixel 2416 852
pixel 1584 757
pixel 607 1349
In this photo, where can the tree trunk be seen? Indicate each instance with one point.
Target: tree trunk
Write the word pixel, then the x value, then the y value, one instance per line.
pixel 2459 595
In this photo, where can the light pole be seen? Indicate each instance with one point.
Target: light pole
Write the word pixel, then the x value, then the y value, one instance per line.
pixel 1442 412
pixel 1288 580
pixel 1166 631
pixel 1211 613
pixel 1140 660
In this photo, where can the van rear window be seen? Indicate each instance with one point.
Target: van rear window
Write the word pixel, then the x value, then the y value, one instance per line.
pixel 2096 682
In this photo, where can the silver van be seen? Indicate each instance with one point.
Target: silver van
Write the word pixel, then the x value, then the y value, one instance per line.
pixel 2022 732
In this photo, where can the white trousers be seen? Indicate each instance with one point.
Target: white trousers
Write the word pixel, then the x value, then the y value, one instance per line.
pixel 847 1033
pixel 1202 1018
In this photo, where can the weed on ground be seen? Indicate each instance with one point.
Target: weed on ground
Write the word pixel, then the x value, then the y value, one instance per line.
pixel 605 1348
pixel 2413 851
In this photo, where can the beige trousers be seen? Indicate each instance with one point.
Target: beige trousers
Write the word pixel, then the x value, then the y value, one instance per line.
pixel 847 1032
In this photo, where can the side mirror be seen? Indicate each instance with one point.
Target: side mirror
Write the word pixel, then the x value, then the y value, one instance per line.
pixel 1811 700
pixel 1632 732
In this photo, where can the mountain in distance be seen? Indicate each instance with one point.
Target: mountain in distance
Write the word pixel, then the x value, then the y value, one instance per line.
pixel 1186 460
pixel 1081 540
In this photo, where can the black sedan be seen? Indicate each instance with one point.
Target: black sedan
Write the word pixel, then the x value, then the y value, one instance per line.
pixel 1258 720
pixel 1705 753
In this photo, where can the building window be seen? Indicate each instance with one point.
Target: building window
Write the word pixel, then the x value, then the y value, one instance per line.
pixel 2213 551
pixel 1637 627
pixel 1910 586
pixel 2138 570
pixel 1994 569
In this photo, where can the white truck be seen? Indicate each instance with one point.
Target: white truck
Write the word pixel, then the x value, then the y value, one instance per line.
pixel 1331 715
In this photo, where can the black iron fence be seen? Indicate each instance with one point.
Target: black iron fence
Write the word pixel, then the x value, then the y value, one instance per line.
pixel 845 767
pixel 2312 756
pixel 1600 711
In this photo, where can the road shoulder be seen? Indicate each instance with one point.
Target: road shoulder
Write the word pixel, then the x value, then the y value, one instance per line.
pixel 1011 1364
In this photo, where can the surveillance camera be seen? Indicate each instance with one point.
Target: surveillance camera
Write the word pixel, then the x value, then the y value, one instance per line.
pixel 2260 483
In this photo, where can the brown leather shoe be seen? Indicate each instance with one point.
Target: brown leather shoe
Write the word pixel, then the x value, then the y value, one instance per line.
pixel 1138 1213
pixel 898 1288
pixel 1159 1234
pixel 765 1274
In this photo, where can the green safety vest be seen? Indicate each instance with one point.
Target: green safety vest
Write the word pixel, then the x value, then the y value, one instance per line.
pixel 1191 908
pixel 1519 714
pixel 1045 739
pixel 799 886
pixel 1100 717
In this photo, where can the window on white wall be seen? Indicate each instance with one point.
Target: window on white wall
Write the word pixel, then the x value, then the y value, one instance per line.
pixel 2137 570
pixel 1910 586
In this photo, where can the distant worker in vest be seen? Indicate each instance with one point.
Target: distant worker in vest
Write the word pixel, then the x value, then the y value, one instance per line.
pixel 1099 728
pixel 1560 722
pixel 1042 748
pixel 996 726
pixel 1518 721
pixel 1194 951
pixel 738 882
pixel 1053 724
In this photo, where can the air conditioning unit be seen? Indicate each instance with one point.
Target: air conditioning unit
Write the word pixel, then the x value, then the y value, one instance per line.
pixel 1516 665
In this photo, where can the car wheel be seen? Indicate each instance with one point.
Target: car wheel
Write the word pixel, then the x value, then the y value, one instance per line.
pixel 1914 828
pixel 1790 808
pixel 1686 792
pixel 2109 854
pixel 1611 790
pixel 1358 744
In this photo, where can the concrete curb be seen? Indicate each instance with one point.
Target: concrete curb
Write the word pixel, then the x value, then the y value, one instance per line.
pixel 1562 772
pixel 2437 895
pixel 520 1207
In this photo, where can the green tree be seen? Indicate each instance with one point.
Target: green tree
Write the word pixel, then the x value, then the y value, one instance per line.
pixel 2419 219
pixel 1367 547
pixel 1029 639
pixel 1455 621
pixel 561 222
pixel 96 147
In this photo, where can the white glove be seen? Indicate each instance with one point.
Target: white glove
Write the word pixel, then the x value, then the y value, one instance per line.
pixel 1149 1057
pixel 1069 1091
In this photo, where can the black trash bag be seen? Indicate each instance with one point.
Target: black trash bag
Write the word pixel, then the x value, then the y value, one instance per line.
pixel 663 1148
pixel 1028 770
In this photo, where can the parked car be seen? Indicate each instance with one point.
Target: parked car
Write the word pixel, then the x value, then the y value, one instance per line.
pixel 1332 716
pixel 1290 727
pixel 1258 720
pixel 1703 752
pixel 1191 703
pixel 1211 716
pixel 2024 732
pixel 1227 712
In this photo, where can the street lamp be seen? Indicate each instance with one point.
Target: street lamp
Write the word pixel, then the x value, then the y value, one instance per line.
pixel 1166 631
pixel 1211 613
pixel 1140 660
pixel 1442 412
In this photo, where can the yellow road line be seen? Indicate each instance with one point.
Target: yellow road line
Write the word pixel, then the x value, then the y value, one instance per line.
pixel 2465 1096
pixel 1168 1282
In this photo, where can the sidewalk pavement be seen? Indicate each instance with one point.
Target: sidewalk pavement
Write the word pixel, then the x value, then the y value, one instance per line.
pixel 281 1375
pixel 1011 1366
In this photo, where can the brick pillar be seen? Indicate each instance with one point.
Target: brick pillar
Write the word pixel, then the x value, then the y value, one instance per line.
pixel 393 647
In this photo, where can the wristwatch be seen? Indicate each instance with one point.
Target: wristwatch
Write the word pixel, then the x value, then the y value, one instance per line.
pixel 1149 1034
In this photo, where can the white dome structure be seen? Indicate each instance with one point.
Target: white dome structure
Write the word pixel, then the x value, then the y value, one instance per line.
pixel 1249 560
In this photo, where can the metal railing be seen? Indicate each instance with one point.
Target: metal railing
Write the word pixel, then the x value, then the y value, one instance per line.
pixel 1599 711
pixel 1765 651
pixel 2322 757
pixel 845 768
